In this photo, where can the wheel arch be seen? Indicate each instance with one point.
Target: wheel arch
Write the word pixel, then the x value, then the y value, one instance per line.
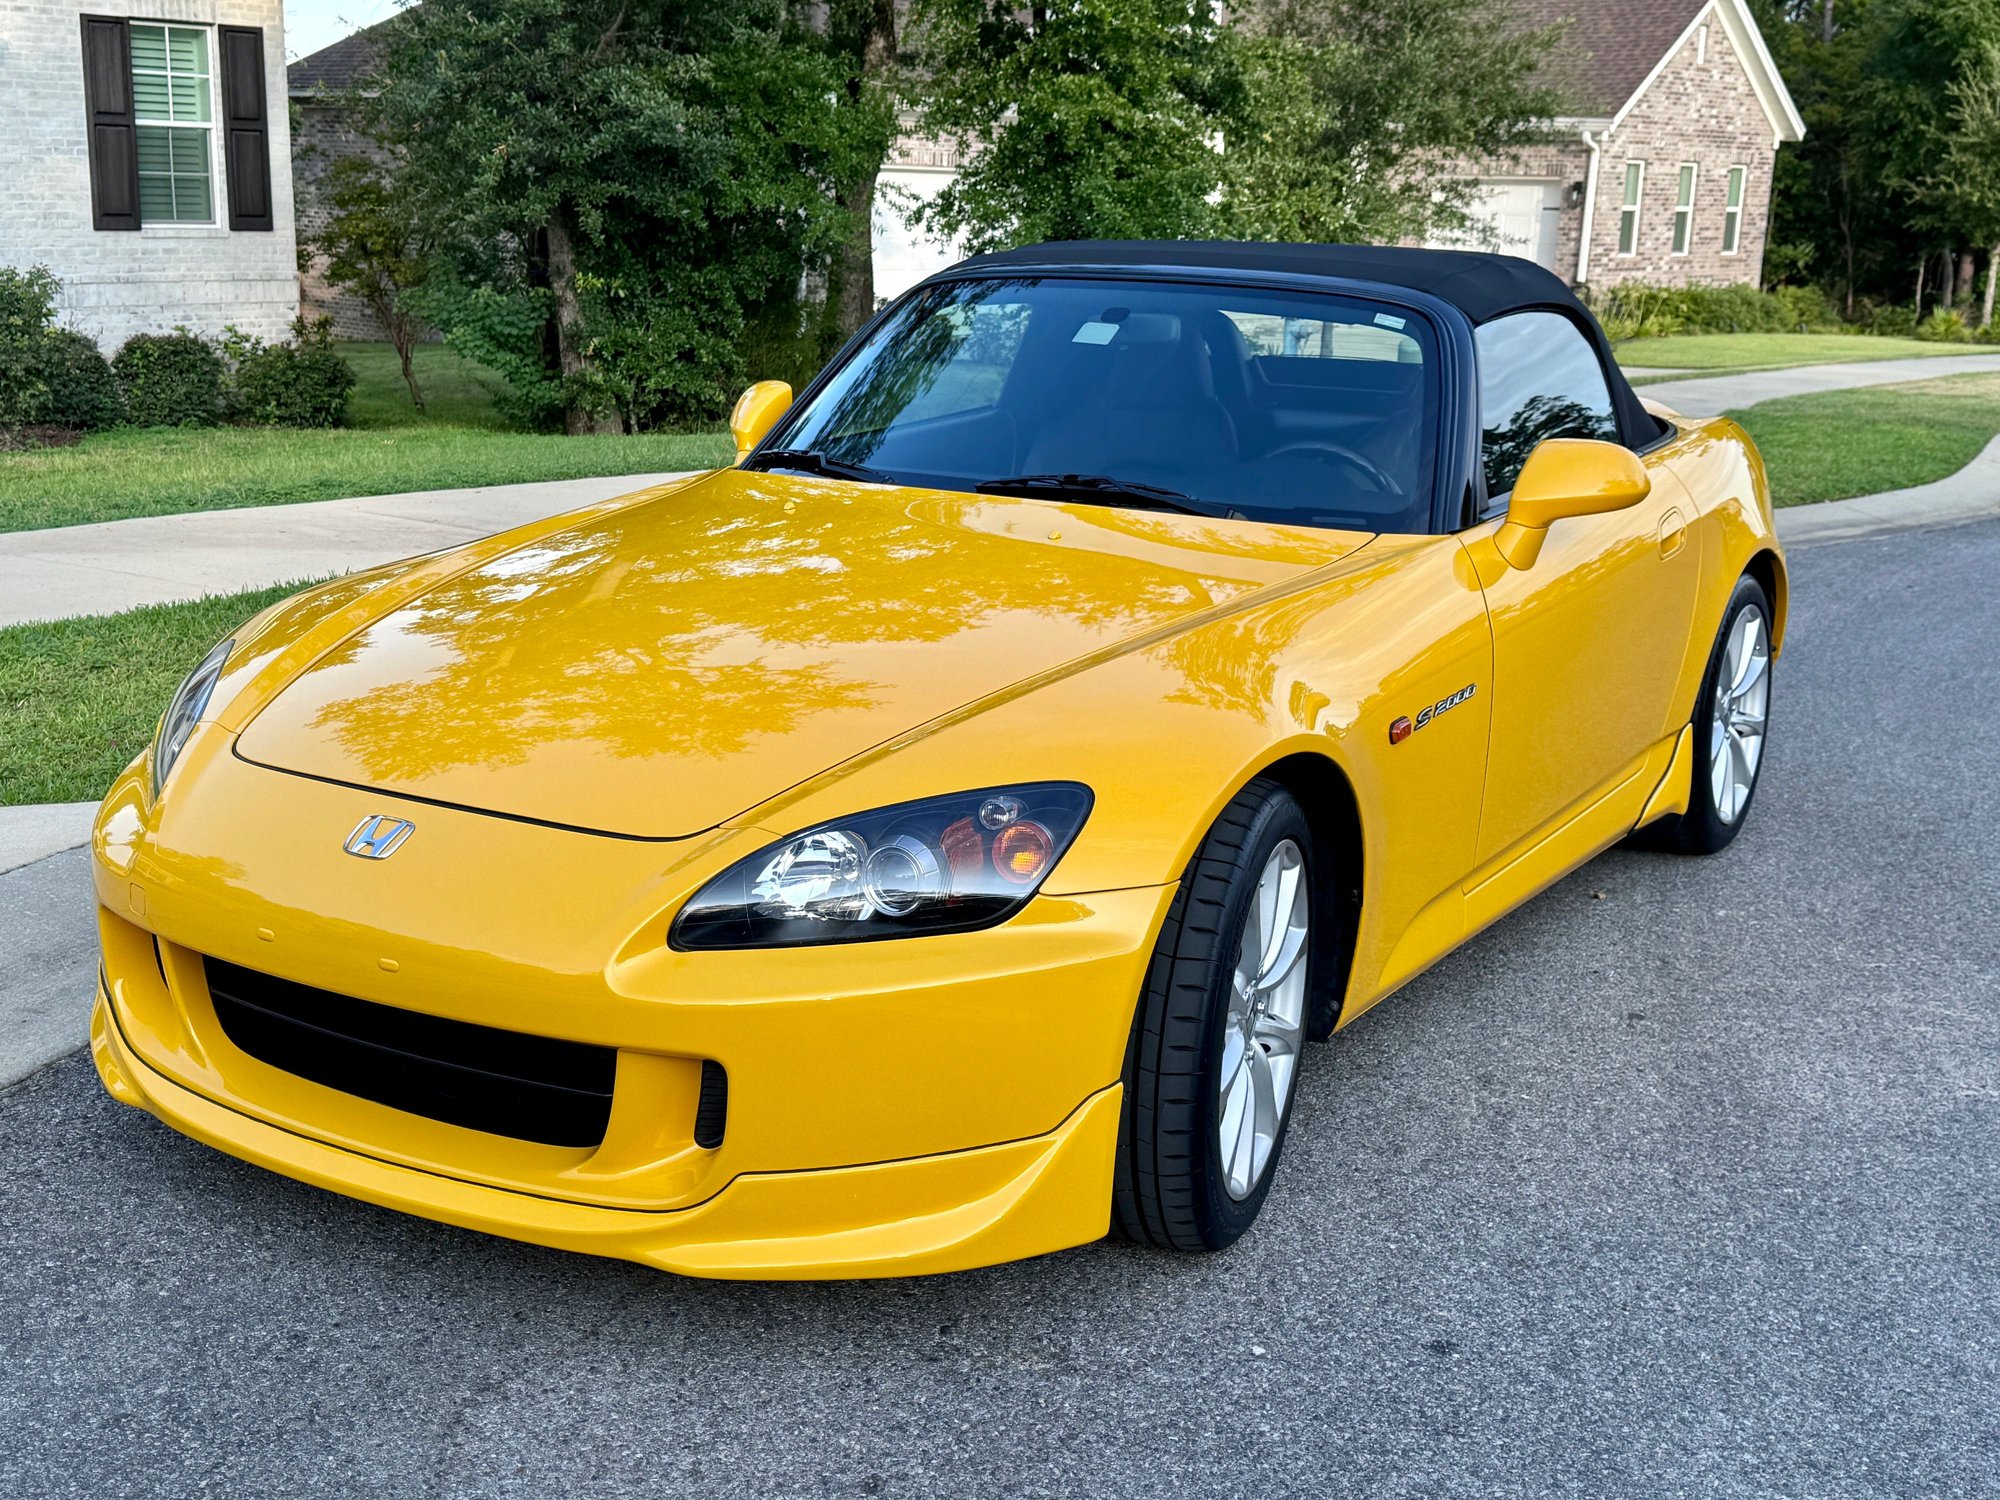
pixel 1767 566
pixel 1328 799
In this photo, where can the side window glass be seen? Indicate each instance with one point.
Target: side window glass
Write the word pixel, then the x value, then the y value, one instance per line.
pixel 1538 378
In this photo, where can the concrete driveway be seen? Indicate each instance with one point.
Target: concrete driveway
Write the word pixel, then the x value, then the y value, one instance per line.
pixel 1680 1182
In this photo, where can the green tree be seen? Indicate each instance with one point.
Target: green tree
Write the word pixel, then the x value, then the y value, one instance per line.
pixel 860 35
pixel 616 190
pixel 375 248
pixel 1089 118
pixel 1969 186
pixel 1360 109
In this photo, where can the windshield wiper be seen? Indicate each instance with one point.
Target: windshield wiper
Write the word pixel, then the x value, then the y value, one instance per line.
pixel 806 461
pixel 1096 487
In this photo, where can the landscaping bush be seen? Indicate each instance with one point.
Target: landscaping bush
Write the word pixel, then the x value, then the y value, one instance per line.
pixel 170 379
pixel 1893 320
pixel 27 312
pixel 80 392
pixel 301 382
pixel 1636 310
pixel 1943 327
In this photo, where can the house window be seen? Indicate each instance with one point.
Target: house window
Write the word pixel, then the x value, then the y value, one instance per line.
pixel 1732 213
pixel 1628 212
pixel 173 112
pixel 1684 210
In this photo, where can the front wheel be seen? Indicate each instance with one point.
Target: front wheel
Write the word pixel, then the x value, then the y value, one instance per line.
pixel 1731 723
pixel 1220 1030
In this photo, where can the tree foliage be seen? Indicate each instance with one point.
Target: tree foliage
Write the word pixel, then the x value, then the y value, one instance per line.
pixel 1361 110
pixel 616 190
pixel 375 247
pixel 1091 119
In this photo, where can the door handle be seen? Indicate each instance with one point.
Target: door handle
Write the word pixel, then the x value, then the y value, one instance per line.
pixel 1673 533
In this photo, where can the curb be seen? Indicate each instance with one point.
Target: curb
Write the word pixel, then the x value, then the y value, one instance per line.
pixel 1972 494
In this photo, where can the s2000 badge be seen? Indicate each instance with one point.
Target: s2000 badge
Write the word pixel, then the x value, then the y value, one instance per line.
pixel 1403 728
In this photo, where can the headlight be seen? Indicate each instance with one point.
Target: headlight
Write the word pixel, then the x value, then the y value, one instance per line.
pixel 189 703
pixel 945 864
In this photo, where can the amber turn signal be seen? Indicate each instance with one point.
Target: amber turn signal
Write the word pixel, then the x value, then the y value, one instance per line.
pixel 1021 852
pixel 1399 731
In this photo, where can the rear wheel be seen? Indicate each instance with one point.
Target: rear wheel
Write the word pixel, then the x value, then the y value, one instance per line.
pixel 1220 1030
pixel 1730 726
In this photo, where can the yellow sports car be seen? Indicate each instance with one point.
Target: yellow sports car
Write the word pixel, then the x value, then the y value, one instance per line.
pixel 934 840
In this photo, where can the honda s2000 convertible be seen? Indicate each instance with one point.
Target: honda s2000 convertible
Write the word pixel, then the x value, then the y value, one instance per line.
pixel 935 839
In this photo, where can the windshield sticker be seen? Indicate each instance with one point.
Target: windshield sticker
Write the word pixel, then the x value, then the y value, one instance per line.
pixel 1389 320
pixel 1096 333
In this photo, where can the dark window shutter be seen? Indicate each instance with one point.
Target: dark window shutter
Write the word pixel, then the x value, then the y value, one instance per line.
pixel 107 103
pixel 246 127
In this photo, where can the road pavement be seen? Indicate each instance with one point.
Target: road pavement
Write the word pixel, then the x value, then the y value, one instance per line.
pixel 1679 1182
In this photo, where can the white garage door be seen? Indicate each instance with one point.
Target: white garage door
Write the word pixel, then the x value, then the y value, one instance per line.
pixel 1514 218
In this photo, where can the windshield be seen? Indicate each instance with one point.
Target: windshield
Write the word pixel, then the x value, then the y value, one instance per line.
pixel 1301 407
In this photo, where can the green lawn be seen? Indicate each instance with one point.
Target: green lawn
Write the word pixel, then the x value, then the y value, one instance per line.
pixel 79 698
pixel 1887 437
pixel 389 448
pixel 1723 353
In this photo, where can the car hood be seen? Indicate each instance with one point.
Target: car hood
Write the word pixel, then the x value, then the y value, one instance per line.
pixel 658 669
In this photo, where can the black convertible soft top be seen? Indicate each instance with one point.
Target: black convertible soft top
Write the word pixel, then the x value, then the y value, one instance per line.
pixel 1480 285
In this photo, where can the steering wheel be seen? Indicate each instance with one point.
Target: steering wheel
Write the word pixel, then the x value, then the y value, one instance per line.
pixel 1341 453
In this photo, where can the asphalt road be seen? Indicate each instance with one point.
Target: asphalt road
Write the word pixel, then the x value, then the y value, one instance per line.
pixel 1683 1181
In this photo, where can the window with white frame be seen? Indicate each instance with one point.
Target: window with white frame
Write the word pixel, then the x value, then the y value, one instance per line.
pixel 1732 213
pixel 1684 210
pixel 173 111
pixel 1628 210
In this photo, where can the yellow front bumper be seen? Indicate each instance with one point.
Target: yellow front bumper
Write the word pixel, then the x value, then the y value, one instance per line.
pixel 929 1214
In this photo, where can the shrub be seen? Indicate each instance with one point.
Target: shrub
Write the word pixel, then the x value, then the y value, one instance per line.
pixel 1636 310
pixel 27 313
pixel 81 391
pixel 170 379
pixel 301 382
pixel 1807 309
pixel 1943 327
pixel 1890 320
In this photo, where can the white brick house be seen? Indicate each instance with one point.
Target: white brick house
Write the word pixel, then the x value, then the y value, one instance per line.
pixel 1663 174
pixel 148 163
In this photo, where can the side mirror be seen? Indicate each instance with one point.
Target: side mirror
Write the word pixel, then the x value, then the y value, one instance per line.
pixel 1566 477
pixel 756 413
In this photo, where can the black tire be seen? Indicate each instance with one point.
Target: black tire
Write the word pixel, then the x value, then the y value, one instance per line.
pixel 1169 1189
pixel 1703 828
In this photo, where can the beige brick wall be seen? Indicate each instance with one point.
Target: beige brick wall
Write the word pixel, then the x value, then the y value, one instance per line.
pixel 325 134
pixel 1700 109
pixel 117 283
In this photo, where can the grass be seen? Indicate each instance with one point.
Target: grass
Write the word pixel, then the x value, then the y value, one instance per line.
pixel 1887 437
pixel 1733 353
pixel 389 448
pixel 79 698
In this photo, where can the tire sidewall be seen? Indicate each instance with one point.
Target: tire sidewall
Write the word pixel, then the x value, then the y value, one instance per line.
pixel 1226 1218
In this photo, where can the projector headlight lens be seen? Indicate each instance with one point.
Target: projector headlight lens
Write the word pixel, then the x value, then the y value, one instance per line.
pixel 945 864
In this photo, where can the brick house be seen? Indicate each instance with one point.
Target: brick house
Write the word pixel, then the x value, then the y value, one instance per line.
pixel 1663 174
pixel 149 164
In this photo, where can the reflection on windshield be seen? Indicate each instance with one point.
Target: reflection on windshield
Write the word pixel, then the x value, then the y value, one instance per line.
pixel 1281 406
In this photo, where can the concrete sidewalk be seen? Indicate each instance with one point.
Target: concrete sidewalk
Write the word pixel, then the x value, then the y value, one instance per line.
pixel 120 565
pixel 1708 395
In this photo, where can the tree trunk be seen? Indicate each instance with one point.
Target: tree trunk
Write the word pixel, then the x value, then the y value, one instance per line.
pixel 854 274
pixel 1826 21
pixel 1966 272
pixel 1923 264
pixel 404 336
pixel 1947 287
pixel 1992 270
pixel 578 420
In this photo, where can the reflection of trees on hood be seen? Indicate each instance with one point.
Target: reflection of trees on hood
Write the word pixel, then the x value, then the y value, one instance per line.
pixel 1507 447
pixel 710 618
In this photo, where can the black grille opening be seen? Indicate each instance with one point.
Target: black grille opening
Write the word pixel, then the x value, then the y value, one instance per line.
pixel 711 1114
pixel 505 1082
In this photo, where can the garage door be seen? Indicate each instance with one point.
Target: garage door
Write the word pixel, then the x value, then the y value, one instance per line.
pixel 1515 218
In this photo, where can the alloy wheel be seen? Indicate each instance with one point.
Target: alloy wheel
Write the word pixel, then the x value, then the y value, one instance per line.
pixel 1742 704
pixel 1264 1027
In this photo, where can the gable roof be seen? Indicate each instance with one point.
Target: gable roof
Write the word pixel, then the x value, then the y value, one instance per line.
pixel 1611 49
pixel 347 64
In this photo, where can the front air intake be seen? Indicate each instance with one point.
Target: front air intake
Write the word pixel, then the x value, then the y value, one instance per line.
pixel 533 1088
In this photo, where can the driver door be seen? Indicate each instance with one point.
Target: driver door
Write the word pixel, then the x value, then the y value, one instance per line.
pixel 1588 643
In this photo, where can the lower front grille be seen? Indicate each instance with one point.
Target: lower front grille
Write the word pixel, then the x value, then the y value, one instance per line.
pixel 509 1083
